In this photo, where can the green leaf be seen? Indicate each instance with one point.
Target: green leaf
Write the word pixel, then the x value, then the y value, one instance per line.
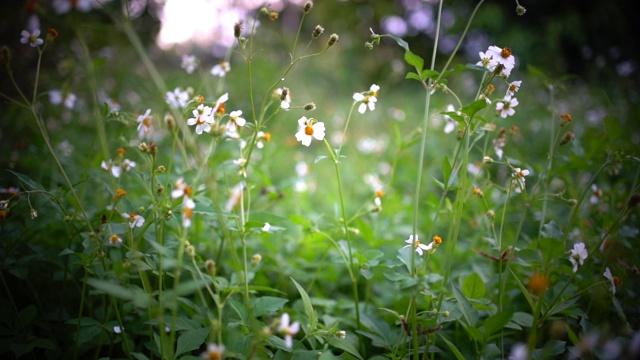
pixel 452 347
pixel 551 230
pixel 267 304
pixel 414 76
pixel 403 44
pixel 134 294
pixel 344 345
pixel 496 322
pixel 446 169
pixel 523 289
pixel 29 183
pixel 414 60
pixel 469 313
pixel 320 158
pixel 308 308
pixel 190 287
pixel 428 73
pixel 471 109
pixel 191 340
pixel 139 356
pixel 473 287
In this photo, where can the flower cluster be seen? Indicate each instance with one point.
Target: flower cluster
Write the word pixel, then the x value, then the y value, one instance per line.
pixel 367 99
pixel 119 165
pixel 500 62
pixel 415 243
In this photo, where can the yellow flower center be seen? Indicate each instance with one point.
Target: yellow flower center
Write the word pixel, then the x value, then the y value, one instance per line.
pixel 505 53
pixel 437 239
pixel 308 130
pixel 114 239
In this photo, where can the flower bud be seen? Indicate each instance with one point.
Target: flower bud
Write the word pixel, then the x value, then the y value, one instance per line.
pixel 487 160
pixel 256 259
pixel 310 106
pixel 161 169
pixel 273 16
pixel 317 31
pixel 159 189
pixel 568 136
pixel 51 34
pixel 342 334
pixel 368 45
pixel 190 250
pixel 210 265
pixel 520 10
pixel 334 38
pixel 33 213
pixel 565 119
pixel 307 7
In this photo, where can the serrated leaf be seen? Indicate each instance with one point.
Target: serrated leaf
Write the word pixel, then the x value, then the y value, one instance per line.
pixel 191 340
pixel 344 345
pixel 267 304
pixel 308 307
pixel 473 287
pixel 469 313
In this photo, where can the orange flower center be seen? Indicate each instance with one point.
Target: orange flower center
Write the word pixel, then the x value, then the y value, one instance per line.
pixel 379 193
pixel 267 137
pixel 114 239
pixel 132 216
pixel 437 239
pixel 221 110
pixel 308 130
pixel 505 53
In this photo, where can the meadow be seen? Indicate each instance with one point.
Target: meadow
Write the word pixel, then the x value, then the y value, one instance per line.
pixel 309 193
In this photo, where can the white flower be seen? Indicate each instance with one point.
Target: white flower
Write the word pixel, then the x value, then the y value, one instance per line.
pixel 108 166
pixel 115 240
pixel 596 194
pixel 221 69
pixel 518 177
pixel 506 105
pixel 187 211
pixel 117 329
pixel 56 97
pixel 235 120
pixel 519 351
pixel 450 123
pixel 577 255
pixel 32 38
pixel 612 279
pixel 214 351
pixel 189 63
pixel 145 128
pixel 286 102
pixel 503 57
pixel 219 107
pixel 415 243
pixel 513 88
pixel 177 98
pixel 288 329
pixel 487 61
pixel 203 118
pixel 235 194
pixel 128 164
pixel 135 220
pixel 180 189
pixel 64 6
pixel 368 99
pixel 309 129
pixel 266 227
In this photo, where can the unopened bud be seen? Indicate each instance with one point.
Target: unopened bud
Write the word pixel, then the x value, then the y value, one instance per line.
pixel 334 38
pixel 210 265
pixel 190 250
pixel 256 259
pixel 317 31
pixel 310 106
pixel 159 189
pixel 368 45
pixel 33 213
pixel 445 314
pixel 487 160
pixel 307 7
pixel 520 10
pixel 491 214
pixel 161 169
pixel 51 34
pixel 342 334
pixel 568 136
pixel 273 16
pixel 237 29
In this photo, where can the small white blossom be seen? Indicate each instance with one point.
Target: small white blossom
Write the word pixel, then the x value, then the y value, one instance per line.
pixel 266 227
pixel 117 329
pixel 513 88
pixel 134 219
pixel 214 351
pixel 145 127
pixel 202 119
pixel 221 69
pixel 31 38
pixel 177 98
pixel 518 177
pixel 219 106
pixel 596 194
pixel 108 166
pixel 235 120
pixel 578 255
pixel 505 106
pixel 189 63
pixel 368 99
pixel 503 57
pixel 309 129
pixel 611 278
pixel 415 243
pixel 487 61
pixel 289 330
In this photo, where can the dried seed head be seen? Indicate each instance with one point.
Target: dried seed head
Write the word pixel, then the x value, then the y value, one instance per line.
pixel 307 7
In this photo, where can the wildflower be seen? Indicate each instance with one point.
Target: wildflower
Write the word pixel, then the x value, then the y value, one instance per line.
pixel 33 213
pixel 596 194
pixel 520 10
pixel 181 189
pixel 117 329
pixel 135 220
pixel 317 31
pixel 368 99
pixel 568 136
pixel 451 124
pixel 262 138
pixel 309 129
pixel 285 97
pixel 487 160
pixel 145 127
pixel 487 61
pixel 506 105
pixel 577 255
pixel 177 98
pixel 32 38
pixel 221 69
pixel 219 106
pixel 615 281
pixel 203 118
pixel 538 283
pixel 307 7
pixel 342 334
pixel 288 329
pixel 189 63
pixel 266 227
pixel 56 97
pixel 115 240
pixel 108 166
pixel 214 352
pixel 235 194
pixel 256 259
pixel 519 351
pixel 235 120
pixel 503 57
pixel 187 211
pixel 416 244
pixel 64 6
pixel 333 39
pixel 128 164
pixel 477 192
pixel 4 204
pixel 565 119
pixel 518 177
pixel 513 88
